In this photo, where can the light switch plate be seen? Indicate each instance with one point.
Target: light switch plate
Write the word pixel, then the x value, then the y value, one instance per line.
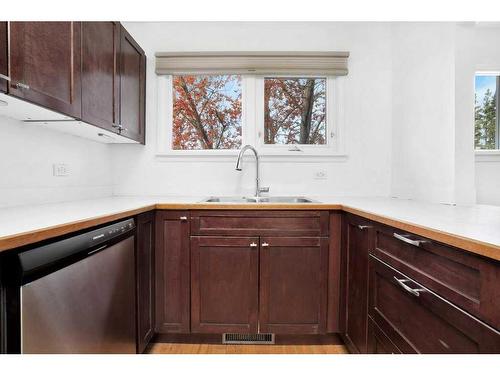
pixel 60 169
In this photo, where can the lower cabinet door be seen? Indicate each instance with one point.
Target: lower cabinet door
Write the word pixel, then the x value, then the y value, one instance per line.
pixel 358 242
pixel 224 284
pixel 172 272
pixel 417 320
pixel 293 285
pixel 145 279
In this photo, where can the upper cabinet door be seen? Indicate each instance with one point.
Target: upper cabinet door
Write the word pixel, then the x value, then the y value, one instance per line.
pixel 100 81
pixel 132 88
pixel 45 64
pixel 4 68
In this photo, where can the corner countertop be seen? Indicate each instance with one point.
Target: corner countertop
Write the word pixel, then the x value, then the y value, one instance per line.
pixel 474 228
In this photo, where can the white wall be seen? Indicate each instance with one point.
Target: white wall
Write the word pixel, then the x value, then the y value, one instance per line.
pixel 366 171
pixel 27 153
pixel 465 185
pixel 423 115
pixel 487 57
pixel 408 114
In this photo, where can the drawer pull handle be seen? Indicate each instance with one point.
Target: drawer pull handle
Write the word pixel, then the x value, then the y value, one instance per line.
pixel 265 244
pixel 363 227
pixel 415 292
pixel 253 244
pixel 183 218
pixel 407 240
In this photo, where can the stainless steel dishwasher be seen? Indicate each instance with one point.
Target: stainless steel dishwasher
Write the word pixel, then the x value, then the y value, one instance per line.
pixel 77 295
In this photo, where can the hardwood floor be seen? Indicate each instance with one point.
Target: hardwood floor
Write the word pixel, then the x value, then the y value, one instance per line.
pixel 323 345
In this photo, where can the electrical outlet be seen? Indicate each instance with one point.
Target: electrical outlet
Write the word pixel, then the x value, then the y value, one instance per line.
pixel 320 175
pixel 60 169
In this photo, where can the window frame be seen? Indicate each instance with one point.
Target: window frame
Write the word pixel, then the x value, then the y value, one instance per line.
pixel 252 122
pixel 496 150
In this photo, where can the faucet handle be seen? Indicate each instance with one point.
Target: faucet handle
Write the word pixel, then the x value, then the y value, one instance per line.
pixel 264 189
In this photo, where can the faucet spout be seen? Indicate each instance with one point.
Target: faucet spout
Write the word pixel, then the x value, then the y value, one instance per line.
pixel 239 165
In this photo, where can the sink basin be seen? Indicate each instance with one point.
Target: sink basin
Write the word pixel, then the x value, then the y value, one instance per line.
pixel 291 199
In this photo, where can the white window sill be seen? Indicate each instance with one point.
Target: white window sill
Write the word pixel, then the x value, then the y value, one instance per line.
pixel 231 155
pixel 487 155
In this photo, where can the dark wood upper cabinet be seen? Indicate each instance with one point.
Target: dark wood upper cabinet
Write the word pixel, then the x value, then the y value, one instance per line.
pixel 100 80
pixel 45 64
pixel 145 279
pixel 132 68
pixel 417 320
pixel 172 272
pixel 224 284
pixel 293 285
pixel 4 56
pixel 359 240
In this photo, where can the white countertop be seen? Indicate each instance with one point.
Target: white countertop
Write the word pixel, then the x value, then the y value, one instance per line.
pixel 477 224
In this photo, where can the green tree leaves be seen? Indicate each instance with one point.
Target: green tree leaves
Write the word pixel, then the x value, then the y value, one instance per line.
pixel 485 122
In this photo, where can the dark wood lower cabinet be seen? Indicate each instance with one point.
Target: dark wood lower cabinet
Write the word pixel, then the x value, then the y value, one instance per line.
pixel 417 320
pixel 293 285
pixel 378 342
pixel 224 284
pixel 145 279
pixel 359 241
pixel 172 272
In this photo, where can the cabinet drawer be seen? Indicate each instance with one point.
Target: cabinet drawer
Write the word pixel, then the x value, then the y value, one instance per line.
pixel 378 342
pixel 468 281
pixel 417 320
pixel 255 223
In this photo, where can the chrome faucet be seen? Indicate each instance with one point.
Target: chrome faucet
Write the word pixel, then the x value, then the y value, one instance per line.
pixel 239 163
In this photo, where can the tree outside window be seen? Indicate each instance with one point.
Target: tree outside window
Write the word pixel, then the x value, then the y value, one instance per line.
pixel 206 112
pixel 486 112
pixel 295 111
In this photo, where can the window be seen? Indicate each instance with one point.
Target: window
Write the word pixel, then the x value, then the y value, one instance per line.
pixel 202 114
pixel 206 112
pixel 486 121
pixel 295 111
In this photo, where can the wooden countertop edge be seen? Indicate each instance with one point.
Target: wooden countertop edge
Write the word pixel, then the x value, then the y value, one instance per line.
pixel 467 244
pixel 26 238
pixel 473 246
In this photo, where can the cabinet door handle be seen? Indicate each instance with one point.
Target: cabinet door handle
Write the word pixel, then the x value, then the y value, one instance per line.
pixel 119 127
pixel 253 244
pixel 183 218
pixel 4 77
pixel 20 85
pixel 401 282
pixel 265 244
pixel 363 227
pixel 408 240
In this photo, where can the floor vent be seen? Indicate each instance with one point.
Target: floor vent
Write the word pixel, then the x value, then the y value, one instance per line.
pixel 248 338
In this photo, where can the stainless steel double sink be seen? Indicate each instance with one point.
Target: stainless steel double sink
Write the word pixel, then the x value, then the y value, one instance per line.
pixel 291 199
